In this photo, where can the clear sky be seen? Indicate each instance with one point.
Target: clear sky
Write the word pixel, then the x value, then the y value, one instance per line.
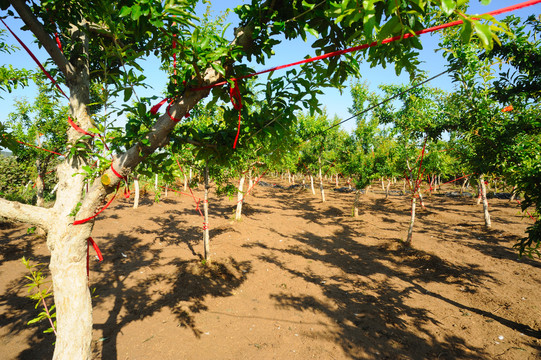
pixel 336 103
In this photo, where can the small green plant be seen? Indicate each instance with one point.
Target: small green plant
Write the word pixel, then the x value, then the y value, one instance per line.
pixel 35 288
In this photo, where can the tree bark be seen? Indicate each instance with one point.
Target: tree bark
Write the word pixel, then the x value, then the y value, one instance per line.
pixel 312 185
pixel 387 188
pixel 412 221
pixel 240 195
pixel 488 223
pixel 356 203
pixel 322 190
pixel 136 197
pixel 206 237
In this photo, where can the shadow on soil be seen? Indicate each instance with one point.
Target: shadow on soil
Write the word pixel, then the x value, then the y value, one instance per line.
pixel 140 283
pixel 18 309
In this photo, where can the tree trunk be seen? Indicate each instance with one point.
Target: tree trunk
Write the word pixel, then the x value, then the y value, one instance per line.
pixel 288 177
pixel 336 180
pixel 240 196
pixel 412 221
pixel 485 201
pixel 312 185
pixel 387 188
pixel 356 203
pixel 206 237
pixel 156 182
pixel 250 181
pixel 185 183
pixel 165 194
pixel 513 193
pixel 382 184
pixel 68 246
pixel 136 197
pixel 479 193
pixel 404 187
pixel 321 183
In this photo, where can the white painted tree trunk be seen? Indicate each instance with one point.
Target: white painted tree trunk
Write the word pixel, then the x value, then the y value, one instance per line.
pixel 185 183
pixel 412 222
pixel 321 189
pixel 336 183
pixel 312 185
pixel 356 203
pixel 156 182
pixel 387 188
pixel 240 195
pixel 136 197
pixel 485 201
pixel 206 236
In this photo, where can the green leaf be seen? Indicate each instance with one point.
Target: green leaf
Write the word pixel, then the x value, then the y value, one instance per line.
pixel 448 6
pixel 127 94
pixel 135 12
pixel 125 11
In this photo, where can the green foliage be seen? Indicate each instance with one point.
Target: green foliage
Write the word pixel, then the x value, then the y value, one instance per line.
pixel 493 141
pixel 39 294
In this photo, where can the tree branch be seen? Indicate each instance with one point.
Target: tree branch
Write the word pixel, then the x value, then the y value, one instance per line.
pixel 30 214
pixel 43 37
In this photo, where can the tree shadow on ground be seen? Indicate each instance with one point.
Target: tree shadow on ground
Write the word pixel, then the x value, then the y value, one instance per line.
pixel 140 283
pixel 369 301
pixel 17 308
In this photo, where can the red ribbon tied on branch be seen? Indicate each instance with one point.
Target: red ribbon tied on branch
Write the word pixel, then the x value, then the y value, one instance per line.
pixel 236 101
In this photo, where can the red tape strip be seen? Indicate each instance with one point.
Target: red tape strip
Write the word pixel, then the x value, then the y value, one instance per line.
pixel 79 222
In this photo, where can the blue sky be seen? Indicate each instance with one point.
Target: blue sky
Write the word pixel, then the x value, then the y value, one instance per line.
pixel 286 52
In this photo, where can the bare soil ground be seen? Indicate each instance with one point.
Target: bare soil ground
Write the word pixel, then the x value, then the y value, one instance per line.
pixel 295 279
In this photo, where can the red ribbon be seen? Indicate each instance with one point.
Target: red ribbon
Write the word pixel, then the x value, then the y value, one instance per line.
pixel 236 101
pixel 77 128
pixel 79 222
pixel 98 252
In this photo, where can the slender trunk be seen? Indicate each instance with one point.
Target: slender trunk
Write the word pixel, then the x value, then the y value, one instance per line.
pixel 206 238
pixel 250 181
pixel 185 183
pixel 336 180
pixel 165 195
pixel 479 193
pixel 321 183
pixel 412 221
pixel 240 196
pixel 421 199
pixel 39 181
pixel 293 179
pixel 136 197
pixel 513 193
pixel 288 177
pixel 485 201
pixel 387 188
pixel 404 187
pixel 382 184
pixel 356 203
pixel 349 183
pixel 312 184
pixel 156 182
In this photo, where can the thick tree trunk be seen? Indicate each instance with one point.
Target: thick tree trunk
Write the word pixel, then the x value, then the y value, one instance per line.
pixel 71 294
pixel 240 196
pixel 485 201
pixel 136 197
pixel 412 222
pixel 206 236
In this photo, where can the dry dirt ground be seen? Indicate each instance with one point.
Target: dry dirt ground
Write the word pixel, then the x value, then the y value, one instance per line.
pixel 295 279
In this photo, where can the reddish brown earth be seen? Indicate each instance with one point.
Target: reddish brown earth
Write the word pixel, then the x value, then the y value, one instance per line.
pixel 295 279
